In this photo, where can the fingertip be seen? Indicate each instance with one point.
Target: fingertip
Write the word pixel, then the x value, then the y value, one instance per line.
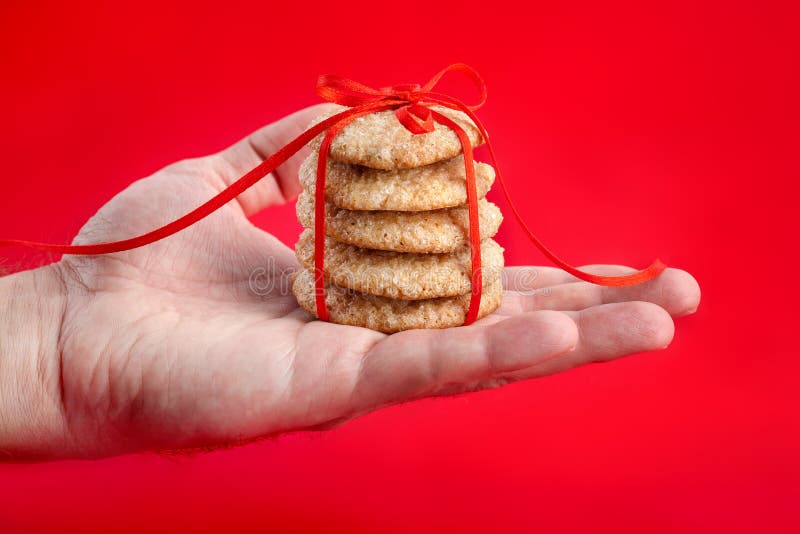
pixel 686 292
pixel 652 326
pixel 666 331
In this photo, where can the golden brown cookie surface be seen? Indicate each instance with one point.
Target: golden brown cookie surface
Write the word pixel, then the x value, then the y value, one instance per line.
pixel 378 140
pixel 400 275
pixel 436 186
pixel 435 231
pixel 389 315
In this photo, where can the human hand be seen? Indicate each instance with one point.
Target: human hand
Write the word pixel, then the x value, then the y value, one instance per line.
pixel 168 346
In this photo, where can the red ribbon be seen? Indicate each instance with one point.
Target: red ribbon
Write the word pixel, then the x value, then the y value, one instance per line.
pixel 410 103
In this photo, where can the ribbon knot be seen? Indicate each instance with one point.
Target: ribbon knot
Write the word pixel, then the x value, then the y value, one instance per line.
pixel 413 114
pixel 410 92
pixel 409 101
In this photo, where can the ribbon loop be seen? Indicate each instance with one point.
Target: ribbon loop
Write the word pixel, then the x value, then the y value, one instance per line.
pixel 411 92
pixel 470 73
pixel 346 92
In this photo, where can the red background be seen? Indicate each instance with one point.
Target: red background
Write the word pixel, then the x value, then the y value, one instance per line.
pixel 625 132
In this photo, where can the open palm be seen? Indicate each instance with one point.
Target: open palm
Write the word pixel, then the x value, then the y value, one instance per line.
pixel 197 341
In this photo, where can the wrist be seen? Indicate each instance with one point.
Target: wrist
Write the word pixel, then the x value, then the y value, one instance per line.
pixel 32 421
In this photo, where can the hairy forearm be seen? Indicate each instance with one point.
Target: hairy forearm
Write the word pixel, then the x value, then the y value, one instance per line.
pixel 32 422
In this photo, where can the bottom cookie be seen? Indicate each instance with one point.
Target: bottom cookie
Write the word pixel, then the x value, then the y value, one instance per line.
pixel 389 315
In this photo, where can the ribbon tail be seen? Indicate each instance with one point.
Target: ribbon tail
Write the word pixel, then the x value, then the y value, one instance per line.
pixel 209 207
pixel 649 273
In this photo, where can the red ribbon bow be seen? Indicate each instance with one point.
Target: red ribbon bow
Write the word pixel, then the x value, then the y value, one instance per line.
pixel 411 104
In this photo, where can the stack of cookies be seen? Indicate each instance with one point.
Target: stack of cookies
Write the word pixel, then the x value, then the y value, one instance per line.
pixel 397 252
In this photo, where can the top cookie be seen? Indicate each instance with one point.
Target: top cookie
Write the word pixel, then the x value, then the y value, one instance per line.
pixel 378 140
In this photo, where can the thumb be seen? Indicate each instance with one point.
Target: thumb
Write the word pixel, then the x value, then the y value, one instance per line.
pixel 281 185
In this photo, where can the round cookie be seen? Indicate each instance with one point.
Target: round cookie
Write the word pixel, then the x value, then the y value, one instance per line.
pixel 378 140
pixel 398 275
pixel 437 231
pixel 388 315
pixel 436 186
